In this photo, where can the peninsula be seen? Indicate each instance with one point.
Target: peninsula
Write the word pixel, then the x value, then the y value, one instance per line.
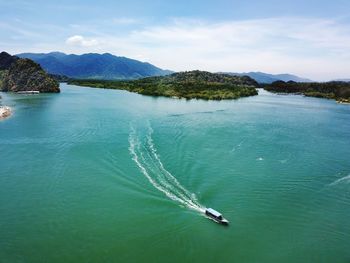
pixel 337 90
pixel 190 85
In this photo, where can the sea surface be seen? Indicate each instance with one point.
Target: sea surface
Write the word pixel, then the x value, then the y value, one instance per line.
pixel 94 175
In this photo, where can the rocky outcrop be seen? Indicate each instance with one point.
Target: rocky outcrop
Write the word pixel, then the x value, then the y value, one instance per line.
pixel 5 112
pixel 25 75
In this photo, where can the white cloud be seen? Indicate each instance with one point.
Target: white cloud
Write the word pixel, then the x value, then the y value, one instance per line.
pixel 78 40
pixel 315 48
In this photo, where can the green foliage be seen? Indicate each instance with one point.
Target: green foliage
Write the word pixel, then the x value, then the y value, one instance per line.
pixel 330 90
pixel 2 76
pixel 189 85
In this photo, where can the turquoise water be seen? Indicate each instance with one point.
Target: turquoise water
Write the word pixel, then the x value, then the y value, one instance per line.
pixel 93 175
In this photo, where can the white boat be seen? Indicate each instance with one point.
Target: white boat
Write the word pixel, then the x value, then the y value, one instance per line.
pixel 28 92
pixel 216 216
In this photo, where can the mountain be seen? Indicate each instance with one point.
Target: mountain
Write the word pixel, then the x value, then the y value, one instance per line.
pixel 18 74
pixel 189 85
pixel 343 80
pixel 262 77
pixel 94 66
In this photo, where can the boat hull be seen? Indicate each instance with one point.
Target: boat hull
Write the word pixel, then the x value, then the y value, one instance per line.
pixel 219 220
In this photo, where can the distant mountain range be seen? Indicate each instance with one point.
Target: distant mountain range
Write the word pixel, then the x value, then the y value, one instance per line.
pixel 109 67
pixel 344 80
pixel 262 77
pixel 94 66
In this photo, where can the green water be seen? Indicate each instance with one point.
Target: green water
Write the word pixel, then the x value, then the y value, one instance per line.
pixel 92 175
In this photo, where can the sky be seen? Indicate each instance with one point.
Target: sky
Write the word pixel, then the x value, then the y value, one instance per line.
pixel 308 38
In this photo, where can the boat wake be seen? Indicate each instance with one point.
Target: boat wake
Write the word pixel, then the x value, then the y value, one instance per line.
pixel 345 179
pixel 146 157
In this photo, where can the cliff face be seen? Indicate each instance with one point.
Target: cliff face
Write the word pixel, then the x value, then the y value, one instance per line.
pixel 25 75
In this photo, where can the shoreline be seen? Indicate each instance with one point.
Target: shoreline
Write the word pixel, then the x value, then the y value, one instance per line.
pixel 165 95
pixel 5 112
pixel 337 100
pixel 193 84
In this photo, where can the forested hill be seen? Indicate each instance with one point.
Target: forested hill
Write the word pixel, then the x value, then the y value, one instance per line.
pixel 190 84
pixel 17 74
pixel 337 90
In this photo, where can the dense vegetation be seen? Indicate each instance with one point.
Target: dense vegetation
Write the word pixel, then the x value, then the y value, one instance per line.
pixel 60 78
pixel 24 75
pixel 192 84
pixel 337 90
pixel 94 66
pixel 2 75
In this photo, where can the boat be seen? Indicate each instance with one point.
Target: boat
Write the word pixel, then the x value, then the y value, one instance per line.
pixel 28 92
pixel 216 216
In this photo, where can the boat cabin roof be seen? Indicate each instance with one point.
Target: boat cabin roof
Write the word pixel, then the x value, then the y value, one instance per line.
pixel 213 212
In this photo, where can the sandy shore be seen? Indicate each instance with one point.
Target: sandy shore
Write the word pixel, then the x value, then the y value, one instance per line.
pixel 5 112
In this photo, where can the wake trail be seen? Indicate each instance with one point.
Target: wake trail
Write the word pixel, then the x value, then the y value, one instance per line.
pixel 189 195
pixel 146 157
pixel 345 179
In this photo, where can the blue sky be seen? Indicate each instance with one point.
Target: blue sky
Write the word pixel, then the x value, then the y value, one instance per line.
pixel 308 38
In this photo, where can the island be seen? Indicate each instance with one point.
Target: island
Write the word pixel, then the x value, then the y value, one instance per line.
pixel 25 76
pixel 337 90
pixel 190 85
